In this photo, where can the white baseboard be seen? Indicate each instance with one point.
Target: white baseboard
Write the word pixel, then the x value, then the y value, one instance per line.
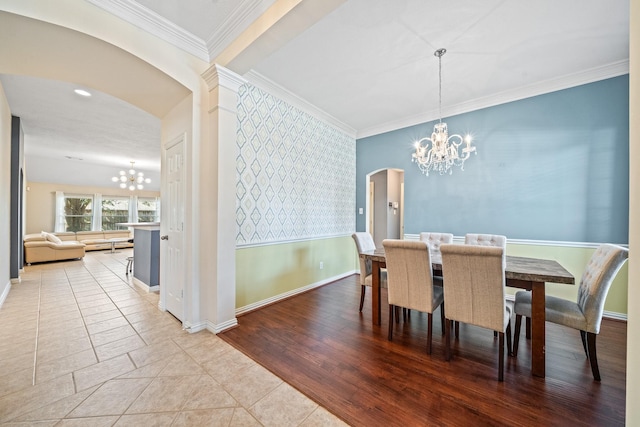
pixel 5 293
pixel 139 283
pixel 221 327
pixel 276 298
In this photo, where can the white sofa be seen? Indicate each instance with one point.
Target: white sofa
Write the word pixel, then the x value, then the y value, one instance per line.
pixel 43 247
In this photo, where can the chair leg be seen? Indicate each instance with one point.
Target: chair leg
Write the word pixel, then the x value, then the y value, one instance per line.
pixel 457 329
pixel 528 328
pixel 516 335
pixel 583 335
pixel 391 310
pixel 501 357
pixel 509 346
pixel 429 331
pixel 442 317
pixel 593 357
pixel 447 339
pixel 397 314
pixel 362 292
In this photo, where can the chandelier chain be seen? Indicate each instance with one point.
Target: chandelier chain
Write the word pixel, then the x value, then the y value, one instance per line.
pixel 440 84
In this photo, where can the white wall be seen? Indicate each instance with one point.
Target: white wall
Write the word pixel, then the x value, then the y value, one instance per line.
pixel 5 195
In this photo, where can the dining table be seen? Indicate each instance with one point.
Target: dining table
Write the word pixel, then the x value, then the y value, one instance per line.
pixel 530 274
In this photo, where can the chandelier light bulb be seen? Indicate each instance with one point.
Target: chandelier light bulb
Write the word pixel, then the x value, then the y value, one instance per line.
pixel 131 179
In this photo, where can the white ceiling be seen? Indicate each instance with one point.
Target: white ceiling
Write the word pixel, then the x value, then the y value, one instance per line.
pixel 368 65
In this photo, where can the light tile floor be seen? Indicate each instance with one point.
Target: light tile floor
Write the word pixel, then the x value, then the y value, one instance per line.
pixel 80 345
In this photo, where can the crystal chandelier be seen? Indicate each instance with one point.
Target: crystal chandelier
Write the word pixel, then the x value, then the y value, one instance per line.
pixel 131 179
pixel 441 152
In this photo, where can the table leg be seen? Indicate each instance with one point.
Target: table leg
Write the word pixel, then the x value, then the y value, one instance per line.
pixel 537 329
pixel 375 292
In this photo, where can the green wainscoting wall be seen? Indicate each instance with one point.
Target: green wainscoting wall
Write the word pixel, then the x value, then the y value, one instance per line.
pixel 270 272
pixel 574 259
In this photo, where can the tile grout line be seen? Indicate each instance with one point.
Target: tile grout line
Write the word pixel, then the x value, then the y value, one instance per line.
pixel 35 351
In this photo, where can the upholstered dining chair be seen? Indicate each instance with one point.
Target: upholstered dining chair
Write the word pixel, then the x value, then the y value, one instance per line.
pixel 434 240
pixel 585 314
pixel 364 243
pixel 474 292
pixel 484 240
pixel 410 282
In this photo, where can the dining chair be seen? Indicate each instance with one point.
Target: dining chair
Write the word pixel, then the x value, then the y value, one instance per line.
pixel 585 314
pixel 486 240
pixel 364 243
pixel 474 292
pixel 410 282
pixel 434 240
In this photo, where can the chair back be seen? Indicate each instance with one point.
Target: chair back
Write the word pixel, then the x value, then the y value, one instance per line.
pixel 474 285
pixel 486 240
pixel 434 240
pixel 596 281
pixel 409 274
pixel 364 242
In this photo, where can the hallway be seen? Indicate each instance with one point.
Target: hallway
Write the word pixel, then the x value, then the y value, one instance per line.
pixel 81 345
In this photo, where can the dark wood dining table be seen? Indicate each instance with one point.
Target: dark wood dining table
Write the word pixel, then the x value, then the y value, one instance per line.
pixel 520 272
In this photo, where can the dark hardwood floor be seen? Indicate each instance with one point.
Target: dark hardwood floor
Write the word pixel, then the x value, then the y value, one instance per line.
pixel 319 343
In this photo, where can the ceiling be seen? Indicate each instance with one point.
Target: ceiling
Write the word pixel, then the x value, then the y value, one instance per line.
pixel 367 66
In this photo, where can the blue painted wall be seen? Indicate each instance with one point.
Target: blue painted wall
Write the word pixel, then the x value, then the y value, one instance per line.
pixel 550 167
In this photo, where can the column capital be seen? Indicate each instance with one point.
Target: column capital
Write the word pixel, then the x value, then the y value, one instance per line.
pixel 217 75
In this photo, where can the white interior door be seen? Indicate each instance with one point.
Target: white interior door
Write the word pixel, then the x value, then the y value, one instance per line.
pixel 172 229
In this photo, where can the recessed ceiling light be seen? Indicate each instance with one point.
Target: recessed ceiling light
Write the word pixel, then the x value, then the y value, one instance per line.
pixel 82 92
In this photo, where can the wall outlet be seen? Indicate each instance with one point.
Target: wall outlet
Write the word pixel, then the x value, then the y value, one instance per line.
pixel 321 265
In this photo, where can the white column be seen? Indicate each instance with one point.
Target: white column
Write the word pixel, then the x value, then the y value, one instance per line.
pixel 218 201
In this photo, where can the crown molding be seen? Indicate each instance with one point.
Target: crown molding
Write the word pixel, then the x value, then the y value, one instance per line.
pixel 275 89
pixel 565 82
pixel 241 17
pixel 146 19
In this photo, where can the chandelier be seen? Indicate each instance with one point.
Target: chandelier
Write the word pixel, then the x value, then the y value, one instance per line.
pixel 441 152
pixel 131 179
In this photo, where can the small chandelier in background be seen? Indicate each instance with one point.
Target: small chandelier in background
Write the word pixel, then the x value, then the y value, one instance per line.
pixel 441 152
pixel 131 179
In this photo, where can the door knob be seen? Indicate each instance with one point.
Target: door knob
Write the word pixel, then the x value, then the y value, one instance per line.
pixel 165 237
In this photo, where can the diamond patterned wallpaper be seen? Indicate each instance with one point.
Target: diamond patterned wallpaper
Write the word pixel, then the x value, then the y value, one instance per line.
pixel 295 173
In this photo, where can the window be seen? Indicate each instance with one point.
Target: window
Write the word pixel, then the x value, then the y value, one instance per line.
pixel 77 212
pixel 148 209
pixel 74 211
pixel 114 210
